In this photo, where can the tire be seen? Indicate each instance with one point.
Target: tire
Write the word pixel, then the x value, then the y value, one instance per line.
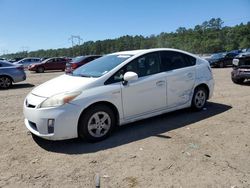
pixel 199 99
pixel 92 128
pixel 40 69
pixel 5 82
pixel 238 81
pixel 221 65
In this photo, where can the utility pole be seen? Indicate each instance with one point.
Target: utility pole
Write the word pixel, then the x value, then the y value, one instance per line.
pixel 24 48
pixel 76 40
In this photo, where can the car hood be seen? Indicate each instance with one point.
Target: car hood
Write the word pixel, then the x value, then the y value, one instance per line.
pixel 61 84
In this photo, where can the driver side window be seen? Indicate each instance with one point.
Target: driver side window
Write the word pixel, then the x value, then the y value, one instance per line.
pixel 144 66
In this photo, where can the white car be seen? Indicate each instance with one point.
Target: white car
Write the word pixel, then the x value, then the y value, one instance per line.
pixel 117 89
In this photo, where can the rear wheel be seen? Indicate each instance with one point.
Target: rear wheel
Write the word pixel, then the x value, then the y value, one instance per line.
pixel 96 123
pixel 5 82
pixel 40 69
pixel 221 65
pixel 199 98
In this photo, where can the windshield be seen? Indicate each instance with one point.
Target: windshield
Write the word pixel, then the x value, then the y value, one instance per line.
pixel 218 56
pixel 100 66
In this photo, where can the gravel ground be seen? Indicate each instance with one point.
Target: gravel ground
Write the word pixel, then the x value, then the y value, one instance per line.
pixel 210 148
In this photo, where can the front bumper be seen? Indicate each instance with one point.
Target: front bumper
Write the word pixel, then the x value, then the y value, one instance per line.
pixel 65 120
pixel 31 68
pixel 241 73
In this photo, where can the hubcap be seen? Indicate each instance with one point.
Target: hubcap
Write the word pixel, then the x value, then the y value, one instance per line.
pixel 99 124
pixel 200 99
pixel 5 82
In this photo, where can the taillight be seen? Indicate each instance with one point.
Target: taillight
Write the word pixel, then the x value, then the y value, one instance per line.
pixel 73 65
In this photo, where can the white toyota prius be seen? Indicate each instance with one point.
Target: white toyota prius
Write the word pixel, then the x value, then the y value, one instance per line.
pixel 117 89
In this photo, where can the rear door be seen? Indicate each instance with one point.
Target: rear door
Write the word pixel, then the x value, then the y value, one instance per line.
pixel 180 77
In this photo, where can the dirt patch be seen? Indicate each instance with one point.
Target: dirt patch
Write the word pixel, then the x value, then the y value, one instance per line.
pixel 210 148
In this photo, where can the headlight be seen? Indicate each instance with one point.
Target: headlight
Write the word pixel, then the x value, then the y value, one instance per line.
pixel 59 99
pixel 236 62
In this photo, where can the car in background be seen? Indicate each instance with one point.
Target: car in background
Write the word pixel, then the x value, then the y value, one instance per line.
pixel 222 59
pixel 27 61
pixel 117 89
pixel 245 52
pixel 79 61
pixel 13 60
pixel 241 69
pixel 55 63
pixel 10 73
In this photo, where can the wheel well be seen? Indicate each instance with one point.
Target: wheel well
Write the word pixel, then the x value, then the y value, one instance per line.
pixel 39 67
pixel 109 104
pixel 7 76
pixel 205 87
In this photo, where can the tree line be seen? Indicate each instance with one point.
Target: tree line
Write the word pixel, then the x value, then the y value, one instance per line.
pixel 209 37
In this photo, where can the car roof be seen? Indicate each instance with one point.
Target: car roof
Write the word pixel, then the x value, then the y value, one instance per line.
pixel 143 51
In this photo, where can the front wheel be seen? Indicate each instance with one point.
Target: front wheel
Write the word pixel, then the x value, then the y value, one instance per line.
pixel 199 98
pixel 40 70
pixel 96 123
pixel 238 80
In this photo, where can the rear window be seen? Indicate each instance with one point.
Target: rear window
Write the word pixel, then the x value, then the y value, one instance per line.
pixel 5 64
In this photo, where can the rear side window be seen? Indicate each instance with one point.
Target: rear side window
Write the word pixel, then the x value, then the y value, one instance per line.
pixel 5 64
pixel 175 60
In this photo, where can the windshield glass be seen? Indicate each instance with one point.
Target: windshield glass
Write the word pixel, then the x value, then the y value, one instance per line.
pixel 100 66
pixel 218 56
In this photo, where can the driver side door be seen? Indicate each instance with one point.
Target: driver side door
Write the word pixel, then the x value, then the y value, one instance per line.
pixel 148 93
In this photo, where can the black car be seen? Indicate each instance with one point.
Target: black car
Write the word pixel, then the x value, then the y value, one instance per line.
pixel 241 69
pixel 222 59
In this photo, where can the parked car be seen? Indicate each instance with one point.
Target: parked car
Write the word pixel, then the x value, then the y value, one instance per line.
pixel 222 59
pixel 241 69
pixel 14 59
pixel 245 52
pixel 56 63
pixel 27 61
pixel 116 89
pixel 79 61
pixel 10 73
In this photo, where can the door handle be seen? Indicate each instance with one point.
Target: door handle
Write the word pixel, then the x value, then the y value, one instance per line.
pixel 189 75
pixel 160 83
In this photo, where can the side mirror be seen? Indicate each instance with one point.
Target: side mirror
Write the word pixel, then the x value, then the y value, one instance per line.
pixel 129 76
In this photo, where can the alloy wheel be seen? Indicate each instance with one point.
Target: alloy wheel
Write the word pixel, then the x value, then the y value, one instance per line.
pixel 5 82
pixel 200 99
pixel 99 124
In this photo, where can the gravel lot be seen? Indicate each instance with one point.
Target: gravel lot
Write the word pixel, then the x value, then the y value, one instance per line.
pixel 210 148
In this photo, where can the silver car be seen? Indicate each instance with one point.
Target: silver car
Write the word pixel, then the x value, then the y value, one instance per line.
pixel 10 73
pixel 28 61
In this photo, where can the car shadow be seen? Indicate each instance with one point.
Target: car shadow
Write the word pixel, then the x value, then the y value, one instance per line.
pixel 20 86
pixel 155 126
